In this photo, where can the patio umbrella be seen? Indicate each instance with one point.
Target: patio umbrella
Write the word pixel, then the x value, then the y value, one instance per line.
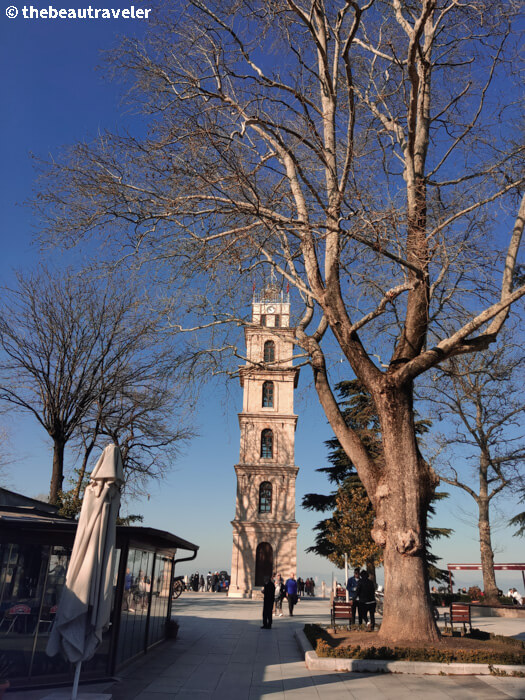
pixel 85 606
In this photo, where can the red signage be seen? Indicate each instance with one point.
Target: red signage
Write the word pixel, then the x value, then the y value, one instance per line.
pixel 477 567
pixel 19 610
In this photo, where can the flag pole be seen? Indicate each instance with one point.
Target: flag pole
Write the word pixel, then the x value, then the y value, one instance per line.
pixel 346 576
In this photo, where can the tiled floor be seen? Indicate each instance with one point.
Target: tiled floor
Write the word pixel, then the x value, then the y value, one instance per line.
pixel 222 654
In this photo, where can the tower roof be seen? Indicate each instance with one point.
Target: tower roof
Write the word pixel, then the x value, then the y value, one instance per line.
pixel 271 293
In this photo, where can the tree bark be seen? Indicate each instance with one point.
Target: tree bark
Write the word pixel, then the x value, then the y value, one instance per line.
pixel 83 468
pixel 57 476
pixel 401 502
pixel 490 588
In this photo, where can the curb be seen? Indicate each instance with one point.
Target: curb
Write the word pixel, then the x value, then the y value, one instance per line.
pixel 432 668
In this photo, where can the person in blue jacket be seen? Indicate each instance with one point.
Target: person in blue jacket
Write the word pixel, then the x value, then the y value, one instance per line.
pixel 351 587
pixel 291 593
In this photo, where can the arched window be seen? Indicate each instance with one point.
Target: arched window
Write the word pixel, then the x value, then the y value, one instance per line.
pixel 266 444
pixel 267 395
pixel 269 351
pixel 265 497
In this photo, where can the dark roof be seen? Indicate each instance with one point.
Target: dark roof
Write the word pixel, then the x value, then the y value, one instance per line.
pixel 18 500
pixel 152 533
pixel 25 519
pixel 18 514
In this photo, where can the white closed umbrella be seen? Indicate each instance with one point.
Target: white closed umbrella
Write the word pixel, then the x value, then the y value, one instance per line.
pixel 85 606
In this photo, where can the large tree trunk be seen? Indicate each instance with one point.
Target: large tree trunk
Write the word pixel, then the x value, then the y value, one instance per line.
pixel 401 501
pixel 57 476
pixel 487 554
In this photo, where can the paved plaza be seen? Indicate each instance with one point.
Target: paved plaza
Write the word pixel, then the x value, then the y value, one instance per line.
pixel 222 654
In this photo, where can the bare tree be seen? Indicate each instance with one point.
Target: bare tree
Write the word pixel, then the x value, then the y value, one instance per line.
pixel 6 457
pixel 146 422
pixel 481 401
pixel 361 150
pixel 66 342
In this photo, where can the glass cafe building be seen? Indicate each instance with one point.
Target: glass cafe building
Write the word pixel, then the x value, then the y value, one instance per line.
pixel 35 546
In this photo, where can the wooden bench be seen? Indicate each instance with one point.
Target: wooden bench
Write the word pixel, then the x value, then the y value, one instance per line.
pixel 341 611
pixel 459 614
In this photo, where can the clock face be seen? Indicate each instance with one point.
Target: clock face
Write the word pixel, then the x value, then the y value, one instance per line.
pixel 270 309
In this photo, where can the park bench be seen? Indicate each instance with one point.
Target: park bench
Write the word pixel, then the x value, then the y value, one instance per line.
pixel 341 611
pixel 459 614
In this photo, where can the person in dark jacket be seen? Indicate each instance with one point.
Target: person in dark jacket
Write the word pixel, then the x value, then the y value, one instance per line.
pixel 366 595
pixel 269 598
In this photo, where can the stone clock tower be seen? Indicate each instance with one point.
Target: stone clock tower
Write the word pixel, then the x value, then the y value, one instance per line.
pixel 264 527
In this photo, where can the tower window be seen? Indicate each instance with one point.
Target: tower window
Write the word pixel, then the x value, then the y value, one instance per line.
pixel 269 351
pixel 267 444
pixel 267 395
pixel 277 323
pixel 263 319
pixel 265 497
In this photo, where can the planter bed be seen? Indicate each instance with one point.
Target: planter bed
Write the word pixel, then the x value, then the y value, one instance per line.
pixel 457 656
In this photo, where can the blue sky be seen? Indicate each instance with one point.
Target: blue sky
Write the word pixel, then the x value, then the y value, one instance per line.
pixel 51 96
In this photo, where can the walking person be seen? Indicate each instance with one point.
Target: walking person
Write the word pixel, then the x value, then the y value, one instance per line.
pixel 291 593
pixel 127 597
pixel 269 599
pixel 366 594
pixel 351 587
pixel 144 591
pixel 280 594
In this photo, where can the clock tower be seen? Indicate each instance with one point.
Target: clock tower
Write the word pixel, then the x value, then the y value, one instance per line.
pixel 264 527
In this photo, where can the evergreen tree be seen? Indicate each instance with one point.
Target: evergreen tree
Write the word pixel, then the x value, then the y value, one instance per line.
pixel 348 530
pixel 519 519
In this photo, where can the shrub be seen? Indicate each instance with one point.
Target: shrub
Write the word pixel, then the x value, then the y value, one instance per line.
pixel 475 593
pixel 445 599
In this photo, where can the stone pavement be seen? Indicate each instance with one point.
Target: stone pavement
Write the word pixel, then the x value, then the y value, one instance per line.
pixel 222 654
